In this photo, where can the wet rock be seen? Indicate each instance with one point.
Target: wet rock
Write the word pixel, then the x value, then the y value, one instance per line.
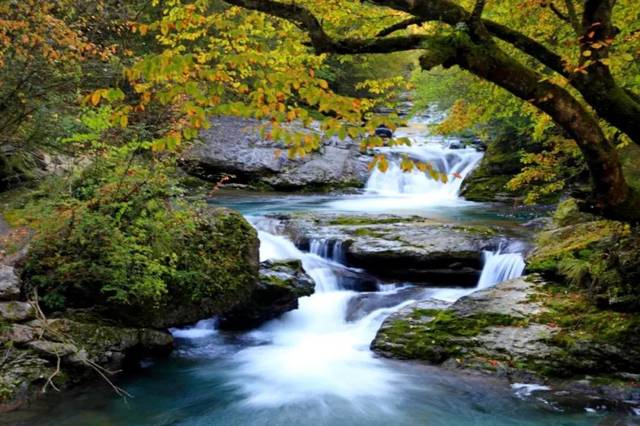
pixel 233 146
pixel 491 324
pixel 365 303
pixel 17 311
pixel 281 284
pixel 355 280
pixel 400 248
pixel 17 334
pixel 9 283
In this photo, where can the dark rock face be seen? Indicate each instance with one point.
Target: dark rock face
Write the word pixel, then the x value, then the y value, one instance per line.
pixel 281 284
pixel 500 163
pixel 355 279
pixel 32 347
pixel 414 249
pixel 233 146
pixel 36 347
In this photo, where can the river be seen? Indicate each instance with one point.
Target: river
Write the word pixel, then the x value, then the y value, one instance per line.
pixel 312 366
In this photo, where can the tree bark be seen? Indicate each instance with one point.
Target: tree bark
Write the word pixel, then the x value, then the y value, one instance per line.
pixel 612 195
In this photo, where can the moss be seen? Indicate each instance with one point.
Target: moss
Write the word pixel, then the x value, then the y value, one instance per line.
pixel 601 257
pixel 436 335
pixel 275 281
pixel 366 232
pixel 485 188
pixel 555 244
pixel 594 340
pixel 371 220
pixel 568 213
pixel 500 163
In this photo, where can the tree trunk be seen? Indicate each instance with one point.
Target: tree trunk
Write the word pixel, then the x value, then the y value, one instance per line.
pixel 612 195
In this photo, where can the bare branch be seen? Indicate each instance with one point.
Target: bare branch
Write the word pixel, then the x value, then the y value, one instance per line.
pixel 400 26
pixel 559 13
pixel 477 10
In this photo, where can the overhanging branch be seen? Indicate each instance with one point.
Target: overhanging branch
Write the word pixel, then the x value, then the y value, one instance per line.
pixel 321 41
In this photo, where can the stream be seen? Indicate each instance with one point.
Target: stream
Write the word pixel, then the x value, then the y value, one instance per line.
pixel 313 366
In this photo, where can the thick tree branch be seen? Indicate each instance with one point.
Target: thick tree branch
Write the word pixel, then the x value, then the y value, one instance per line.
pixel 400 26
pixel 322 42
pixel 598 87
pixel 559 13
pixel 573 16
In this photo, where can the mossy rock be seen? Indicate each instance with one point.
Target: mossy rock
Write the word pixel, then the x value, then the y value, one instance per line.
pixel 204 262
pixel 499 165
pixel 601 257
pixel 281 284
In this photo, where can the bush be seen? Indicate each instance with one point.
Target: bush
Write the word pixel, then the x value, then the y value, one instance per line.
pixel 118 239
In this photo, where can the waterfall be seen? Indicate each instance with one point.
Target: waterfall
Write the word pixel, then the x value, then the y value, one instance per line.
pixel 398 190
pixel 455 164
pixel 502 265
pixel 328 249
pixel 499 267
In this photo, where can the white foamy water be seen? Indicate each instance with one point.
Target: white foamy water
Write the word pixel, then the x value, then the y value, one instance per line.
pixel 410 190
pixel 313 352
pixel 499 267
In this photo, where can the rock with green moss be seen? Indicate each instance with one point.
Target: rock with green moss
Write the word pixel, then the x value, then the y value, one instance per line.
pixel 526 327
pixel 397 248
pixel 224 254
pixel 281 284
pixel 17 311
pixel 600 256
pixel 486 325
pixel 182 266
pixel 499 165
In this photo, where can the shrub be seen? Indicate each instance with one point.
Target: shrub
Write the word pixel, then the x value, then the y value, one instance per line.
pixel 119 239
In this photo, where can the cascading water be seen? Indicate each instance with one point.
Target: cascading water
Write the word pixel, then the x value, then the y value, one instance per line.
pixel 410 190
pixel 312 366
pixel 313 352
pixel 499 267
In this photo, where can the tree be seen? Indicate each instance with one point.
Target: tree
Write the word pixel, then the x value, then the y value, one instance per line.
pixel 479 46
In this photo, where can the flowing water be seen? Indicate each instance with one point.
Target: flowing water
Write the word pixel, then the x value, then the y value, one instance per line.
pixel 313 366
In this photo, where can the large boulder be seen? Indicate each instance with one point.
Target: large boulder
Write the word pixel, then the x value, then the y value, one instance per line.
pixel 281 284
pixel 521 328
pixel 397 248
pixel 233 146
pixel 212 265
